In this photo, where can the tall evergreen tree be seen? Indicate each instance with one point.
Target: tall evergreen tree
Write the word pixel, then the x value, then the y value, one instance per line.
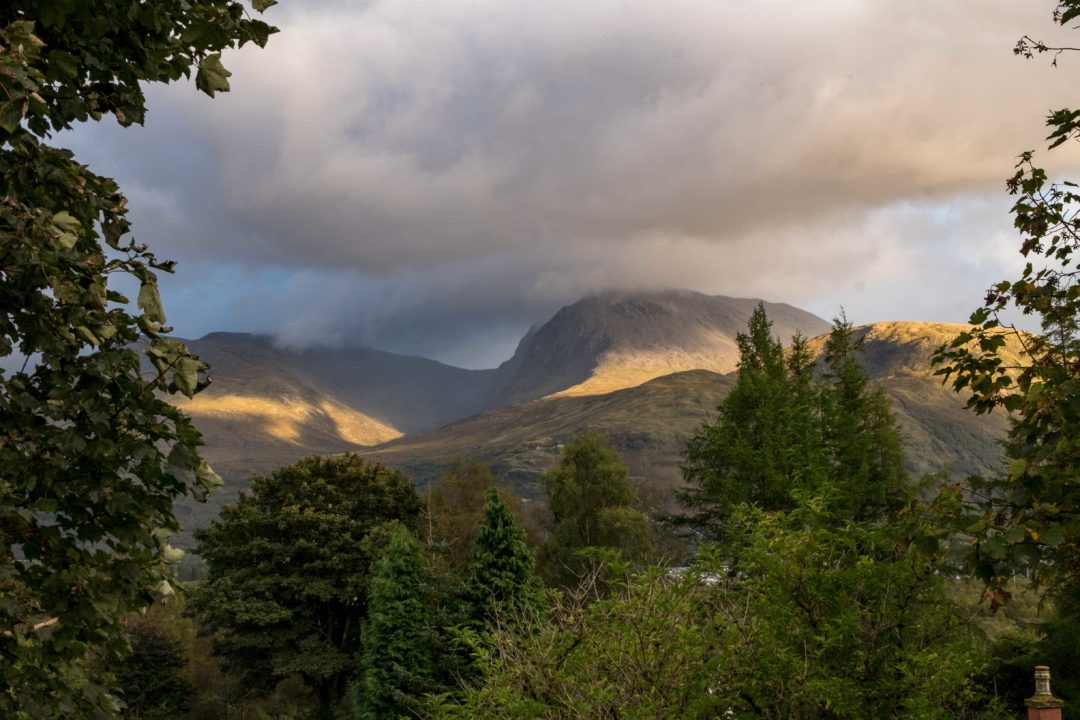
pixel 398 663
pixel 766 438
pixel 501 576
pixel 780 430
pixel 861 436
pixel 150 677
pixel 453 511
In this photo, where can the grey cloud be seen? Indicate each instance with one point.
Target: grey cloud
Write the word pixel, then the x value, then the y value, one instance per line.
pixel 434 176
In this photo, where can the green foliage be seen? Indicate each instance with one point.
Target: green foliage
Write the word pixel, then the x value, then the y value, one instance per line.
pixel 150 678
pixel 590 500
pixel 454 507
pixel 501 581
pixel 861 435
pixel 850 618
pixel 287 584
pixel 764 440
pixel 1028 519
pixel 643 650
pixel 92 456
pixel 398 663
pixel 780 431
pixel 824 620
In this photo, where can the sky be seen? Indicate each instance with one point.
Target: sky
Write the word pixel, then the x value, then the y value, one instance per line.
pixel 432 177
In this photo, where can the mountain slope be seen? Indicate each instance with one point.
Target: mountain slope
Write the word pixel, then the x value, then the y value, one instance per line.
pixel 615 340
pixel 650 423
pixel 269 405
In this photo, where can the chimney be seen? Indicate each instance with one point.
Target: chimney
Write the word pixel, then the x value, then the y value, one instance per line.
pixel 1043 705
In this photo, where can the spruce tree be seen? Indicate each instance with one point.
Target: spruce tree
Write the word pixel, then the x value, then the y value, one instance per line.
pixel 398 663
pixel 780 430
pixel 501 579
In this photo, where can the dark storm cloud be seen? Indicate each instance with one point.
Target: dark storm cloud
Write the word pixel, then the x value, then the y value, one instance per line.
pixel 434 176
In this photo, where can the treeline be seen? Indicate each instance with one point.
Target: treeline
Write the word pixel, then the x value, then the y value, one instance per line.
pixel 334 589
pixel 805 576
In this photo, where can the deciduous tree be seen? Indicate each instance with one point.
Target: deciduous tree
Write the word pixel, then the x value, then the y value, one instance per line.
pixel 91 455
pixel 592 505
pixel 454 507
pixel 287 584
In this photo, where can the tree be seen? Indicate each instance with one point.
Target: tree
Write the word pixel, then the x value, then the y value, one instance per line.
pixel 288 570
pixel 765 439
pixel 150 677
pixel 589 498
pixel 1028 519
pixel 454 507
pixel 501 580
pixel 398 662
pixel 91 455
pixel 861 436
pixel 781 430
pixel 845 621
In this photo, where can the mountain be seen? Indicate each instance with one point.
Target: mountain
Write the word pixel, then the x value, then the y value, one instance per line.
pixel 651 423
pixel 614 340
pixel 268 405
pixel 643 369
pixel 939 433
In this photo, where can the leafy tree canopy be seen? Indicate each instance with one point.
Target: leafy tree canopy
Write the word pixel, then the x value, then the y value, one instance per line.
pixel 287 586
pixel 1028 519
pixel 825 620
pixel 91 457
pixel 592 505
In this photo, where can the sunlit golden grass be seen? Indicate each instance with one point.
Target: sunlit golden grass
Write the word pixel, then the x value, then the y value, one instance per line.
pixel 285 418
pixel 627 370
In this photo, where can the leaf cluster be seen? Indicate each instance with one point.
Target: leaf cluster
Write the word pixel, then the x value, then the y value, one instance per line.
pixel 91 455
pixel 592 505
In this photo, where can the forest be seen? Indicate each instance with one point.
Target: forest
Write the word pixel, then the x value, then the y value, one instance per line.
pixel 800 572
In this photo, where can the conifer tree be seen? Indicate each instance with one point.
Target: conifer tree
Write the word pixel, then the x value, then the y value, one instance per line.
pixel 501 576
pixel 780 430
pixel 398 663
pixel 766 438
pixel 453 511
pixel 861 435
